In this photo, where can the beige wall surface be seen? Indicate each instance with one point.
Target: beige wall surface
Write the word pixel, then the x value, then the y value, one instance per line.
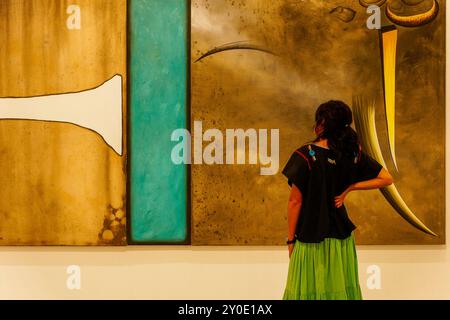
pixel 184 272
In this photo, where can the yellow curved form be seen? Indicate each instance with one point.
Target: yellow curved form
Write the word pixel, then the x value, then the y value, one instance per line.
pixel 388 43
pixel 364 116
pixel 416 20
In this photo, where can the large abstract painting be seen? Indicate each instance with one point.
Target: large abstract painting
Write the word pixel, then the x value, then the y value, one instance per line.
pixel 221 93
pixel 62 122
pixel 269 64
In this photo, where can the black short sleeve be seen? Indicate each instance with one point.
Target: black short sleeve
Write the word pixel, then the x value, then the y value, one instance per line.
pixel 367 167
pixel 297 171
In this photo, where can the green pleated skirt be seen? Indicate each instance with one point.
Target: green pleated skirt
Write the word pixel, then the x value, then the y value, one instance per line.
pixel 323 271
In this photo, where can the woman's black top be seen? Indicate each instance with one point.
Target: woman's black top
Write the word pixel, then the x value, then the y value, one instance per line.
pixel 320 177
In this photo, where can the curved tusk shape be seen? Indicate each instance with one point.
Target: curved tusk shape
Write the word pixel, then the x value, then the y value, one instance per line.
pixel 388 46
pixel 364 114
pixel 414 20
pixel 366 4
pixel 239 45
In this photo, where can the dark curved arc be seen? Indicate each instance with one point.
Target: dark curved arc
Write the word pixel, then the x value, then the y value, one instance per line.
pixel 416 20
pixel 239 45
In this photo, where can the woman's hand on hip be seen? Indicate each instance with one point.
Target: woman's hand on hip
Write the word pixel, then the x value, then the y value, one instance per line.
pixel 339 200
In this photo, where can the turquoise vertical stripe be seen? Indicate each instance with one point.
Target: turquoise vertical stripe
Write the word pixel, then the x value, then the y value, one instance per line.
pixel 158 105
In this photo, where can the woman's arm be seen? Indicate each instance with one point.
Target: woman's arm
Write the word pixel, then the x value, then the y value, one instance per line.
pixel 383 179
pixel 294 206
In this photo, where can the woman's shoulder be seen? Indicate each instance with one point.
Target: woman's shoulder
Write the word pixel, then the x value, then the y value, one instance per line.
pixel 301 152
pixel 304 147
pixel 303 155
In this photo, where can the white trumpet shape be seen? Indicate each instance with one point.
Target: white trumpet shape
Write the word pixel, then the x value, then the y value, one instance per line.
pixel 98 109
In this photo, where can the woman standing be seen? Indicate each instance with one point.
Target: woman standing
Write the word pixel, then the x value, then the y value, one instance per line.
pixel 323 262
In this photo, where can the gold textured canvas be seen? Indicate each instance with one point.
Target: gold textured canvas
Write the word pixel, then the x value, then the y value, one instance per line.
pixel 61 184
pixel 283 59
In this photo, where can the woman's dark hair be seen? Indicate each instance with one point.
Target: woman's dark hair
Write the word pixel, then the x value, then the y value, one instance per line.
pixel 336 117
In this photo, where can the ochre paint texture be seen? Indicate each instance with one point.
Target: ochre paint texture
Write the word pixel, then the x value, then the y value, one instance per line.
pixel 60 184
pixel 320 54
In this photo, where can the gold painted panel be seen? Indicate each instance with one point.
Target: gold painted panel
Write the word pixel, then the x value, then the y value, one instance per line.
pixel 321 50
pixel 60 183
